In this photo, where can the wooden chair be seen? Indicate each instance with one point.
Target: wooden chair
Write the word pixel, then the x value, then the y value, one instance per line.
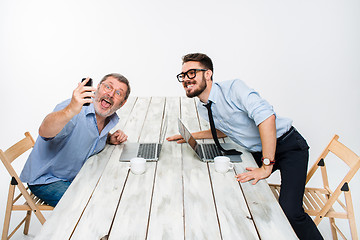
pixel 32 203
pixel 319 202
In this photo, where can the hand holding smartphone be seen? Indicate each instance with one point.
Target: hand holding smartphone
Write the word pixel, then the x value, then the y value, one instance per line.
pixel 89 84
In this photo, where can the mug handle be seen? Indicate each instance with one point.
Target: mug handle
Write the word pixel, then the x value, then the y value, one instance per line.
pixel 231 165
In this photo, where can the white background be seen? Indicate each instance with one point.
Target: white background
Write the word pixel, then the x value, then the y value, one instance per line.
pixel 302 56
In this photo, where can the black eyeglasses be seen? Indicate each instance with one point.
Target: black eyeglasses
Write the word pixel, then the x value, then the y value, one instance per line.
pixel 190 74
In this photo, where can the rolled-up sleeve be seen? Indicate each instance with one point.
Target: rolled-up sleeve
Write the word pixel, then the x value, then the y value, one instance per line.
pixel 257 108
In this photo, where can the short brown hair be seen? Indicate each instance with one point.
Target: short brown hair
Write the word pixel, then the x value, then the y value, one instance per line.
pixel 203 59
pixel 120 78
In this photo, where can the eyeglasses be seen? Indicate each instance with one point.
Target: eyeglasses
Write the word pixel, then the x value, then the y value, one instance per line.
pixel 190 74
pixel 107 88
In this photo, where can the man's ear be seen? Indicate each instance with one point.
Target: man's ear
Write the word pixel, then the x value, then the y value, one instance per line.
pixel 208 75
pixel 122 104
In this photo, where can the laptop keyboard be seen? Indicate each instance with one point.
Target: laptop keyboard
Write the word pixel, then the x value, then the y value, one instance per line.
pixel 211 151
pixel 147 150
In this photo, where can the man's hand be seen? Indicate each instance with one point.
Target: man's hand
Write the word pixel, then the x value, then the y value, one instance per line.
pixel 178 138
pixel 254 173
pixel 117 137
pixel 79 97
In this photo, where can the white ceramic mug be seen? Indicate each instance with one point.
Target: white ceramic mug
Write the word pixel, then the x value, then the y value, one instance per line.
pixel 223 164
pixel 138 165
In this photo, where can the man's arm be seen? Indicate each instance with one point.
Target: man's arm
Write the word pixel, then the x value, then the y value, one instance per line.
pixel 206 134
pixel 56 121
pixel 267 130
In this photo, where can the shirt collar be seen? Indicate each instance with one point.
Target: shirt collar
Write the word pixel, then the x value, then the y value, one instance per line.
pixel 90 109
pixel 213 96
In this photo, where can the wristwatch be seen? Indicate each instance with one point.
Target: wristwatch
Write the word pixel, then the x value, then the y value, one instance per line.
pixel 267 161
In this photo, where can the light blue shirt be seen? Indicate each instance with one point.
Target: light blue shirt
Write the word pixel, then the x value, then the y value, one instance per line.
pixel 61 157
pixel 238 110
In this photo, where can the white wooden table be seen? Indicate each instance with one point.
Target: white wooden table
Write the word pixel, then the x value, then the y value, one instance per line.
pixel 178 197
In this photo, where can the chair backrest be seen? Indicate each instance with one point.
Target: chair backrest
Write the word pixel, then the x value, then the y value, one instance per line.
pixel 343 153
pixel 14 152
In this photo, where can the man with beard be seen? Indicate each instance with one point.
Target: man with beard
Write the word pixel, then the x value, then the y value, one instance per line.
pixel 250 121
pixel 72 133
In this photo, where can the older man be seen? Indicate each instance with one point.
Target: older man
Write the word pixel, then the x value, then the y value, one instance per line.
pixel 72 133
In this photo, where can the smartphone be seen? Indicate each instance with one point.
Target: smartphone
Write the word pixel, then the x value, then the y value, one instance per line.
pixel 89 84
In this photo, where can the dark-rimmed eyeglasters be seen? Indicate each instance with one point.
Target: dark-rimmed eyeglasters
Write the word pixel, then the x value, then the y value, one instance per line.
pixel 190 74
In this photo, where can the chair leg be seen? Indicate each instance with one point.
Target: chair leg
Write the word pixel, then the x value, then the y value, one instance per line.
pixel 27 222
pixel 351 216
pixel 333 229
pixel 6 225
pixel 8 212
pixel 353 230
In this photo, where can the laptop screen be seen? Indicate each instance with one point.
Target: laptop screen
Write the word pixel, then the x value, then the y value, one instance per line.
pixel 163 130
pixel 185 133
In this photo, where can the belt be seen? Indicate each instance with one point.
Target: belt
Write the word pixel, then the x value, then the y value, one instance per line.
pixel 288 133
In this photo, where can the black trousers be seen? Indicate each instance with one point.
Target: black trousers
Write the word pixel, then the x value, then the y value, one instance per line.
pixel 291 158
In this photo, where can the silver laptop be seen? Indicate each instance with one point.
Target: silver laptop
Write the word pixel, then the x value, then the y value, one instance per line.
pixel 206 151
pixel 149 151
